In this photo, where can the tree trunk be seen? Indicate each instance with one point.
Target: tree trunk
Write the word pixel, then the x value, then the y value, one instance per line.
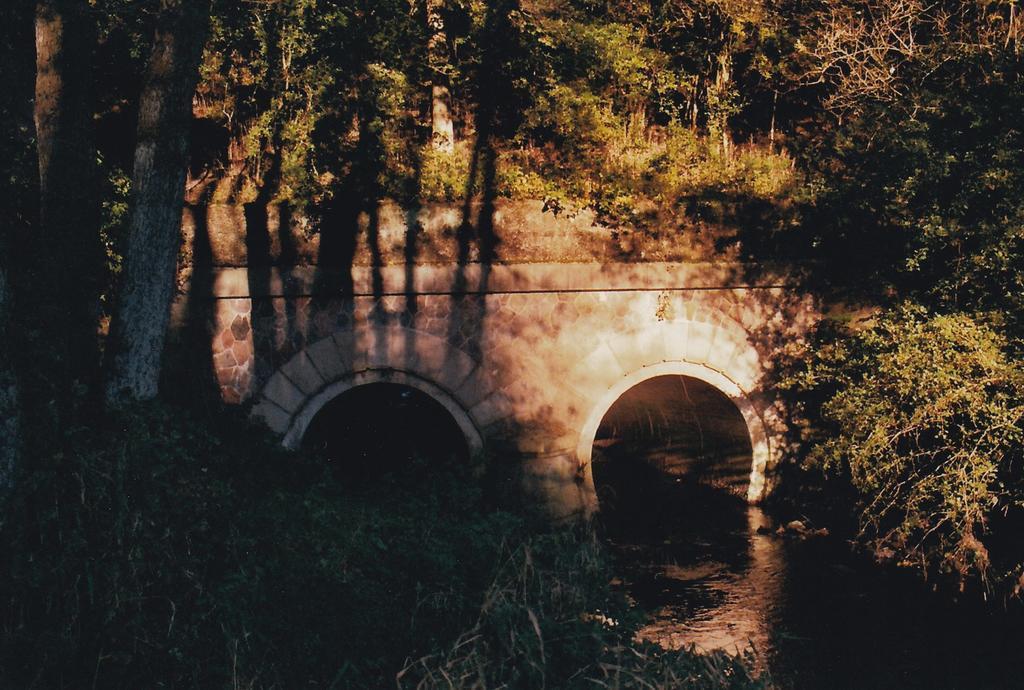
pixel 69 256
pixel 441 125
pixel 19 206
pixel 158 187
pixel 10 409
pixel 723 98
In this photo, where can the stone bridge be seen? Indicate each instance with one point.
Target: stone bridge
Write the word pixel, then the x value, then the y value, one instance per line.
pixel 527 357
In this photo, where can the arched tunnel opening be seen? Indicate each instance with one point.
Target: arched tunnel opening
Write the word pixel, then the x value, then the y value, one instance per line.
pixel 384 428
pixel 671 452
pixel 672 461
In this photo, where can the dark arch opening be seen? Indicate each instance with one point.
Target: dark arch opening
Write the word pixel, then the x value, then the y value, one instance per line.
pixel 385 428
pixel 669 449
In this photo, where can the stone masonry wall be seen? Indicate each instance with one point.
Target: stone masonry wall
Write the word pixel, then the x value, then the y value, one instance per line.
pixel 525 355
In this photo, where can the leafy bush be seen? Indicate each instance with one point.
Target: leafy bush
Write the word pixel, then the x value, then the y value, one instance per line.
pixel 444 175
pixel 155 551
pixel 925 416
pixel 579 122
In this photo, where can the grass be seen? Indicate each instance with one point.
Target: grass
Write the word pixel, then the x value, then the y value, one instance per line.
pixel 157 549
pixel 636 166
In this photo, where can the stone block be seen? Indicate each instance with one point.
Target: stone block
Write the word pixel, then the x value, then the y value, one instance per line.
pixel 745 368
pixel 702 336
pixel 477 386
pixel 284 393
pixel 328 360
pixel 224 360
pixel 534 399
pixel 602 362
pixel 352 347
pixel 386 348
pixel 636 350
pixel 242 351
pixel 722 351
pixel 537 443
pixel 432 358
pixel 240 327
pixel 449 367
pixel 677 334
pixel 600 369
pixel 553 484
pixel 301 371
pixel 273 416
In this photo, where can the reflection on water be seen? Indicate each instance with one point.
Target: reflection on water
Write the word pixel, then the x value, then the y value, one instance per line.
pixel 692 557
pixel 670 465
pixel 713 604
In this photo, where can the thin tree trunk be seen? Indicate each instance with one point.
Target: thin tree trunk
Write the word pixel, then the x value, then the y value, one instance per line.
pixel 694 109
pixel 158 188
pixel 10 408
pixel 441 125
pixel 723 95
pixel 69 260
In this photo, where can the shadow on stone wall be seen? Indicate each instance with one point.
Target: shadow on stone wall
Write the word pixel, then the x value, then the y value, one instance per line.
pixel 270 318
pixel 493 120
pixel 189 373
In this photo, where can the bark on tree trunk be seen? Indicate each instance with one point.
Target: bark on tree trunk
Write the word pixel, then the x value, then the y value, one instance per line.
pixel 441 125
pixel 70 255
pixel 723 95
pixel 10 410
pixel 158 188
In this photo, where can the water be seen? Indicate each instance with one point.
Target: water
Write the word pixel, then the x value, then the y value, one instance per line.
pixel 693 558
pixel 671 463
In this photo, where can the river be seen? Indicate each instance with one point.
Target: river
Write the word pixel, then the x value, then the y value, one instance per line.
pixel 671 464
pixel 816 615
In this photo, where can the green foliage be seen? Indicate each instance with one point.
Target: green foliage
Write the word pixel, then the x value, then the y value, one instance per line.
pixel 329 98
pixel 688 166
pixel 111 548
pixel 914 210
pixel 924 415
pixel 575 120
pixel 899 178
pixel 444 176
pixel 153 551
pixel 114 228
pixel 922 195
pixel 607 58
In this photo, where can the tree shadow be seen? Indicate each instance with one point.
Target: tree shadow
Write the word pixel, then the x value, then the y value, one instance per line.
pixel 495 117
pixel 274 319
pixel 412 207
pixel 333 283
pixel 200 387
pixel 352 197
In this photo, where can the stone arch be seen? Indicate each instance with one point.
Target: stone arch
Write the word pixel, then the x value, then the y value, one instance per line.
pixel 302 386
pixel 301 420
pixel 717 352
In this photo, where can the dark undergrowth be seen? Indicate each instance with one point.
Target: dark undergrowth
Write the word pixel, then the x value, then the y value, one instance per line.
pixel 157 550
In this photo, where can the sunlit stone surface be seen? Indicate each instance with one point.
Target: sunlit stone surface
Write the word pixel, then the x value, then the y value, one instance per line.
pixel 527 357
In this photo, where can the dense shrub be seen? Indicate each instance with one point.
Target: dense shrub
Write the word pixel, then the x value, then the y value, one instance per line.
pixel 924 415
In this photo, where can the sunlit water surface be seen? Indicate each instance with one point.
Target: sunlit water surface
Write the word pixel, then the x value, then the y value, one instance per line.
pixel 693 558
